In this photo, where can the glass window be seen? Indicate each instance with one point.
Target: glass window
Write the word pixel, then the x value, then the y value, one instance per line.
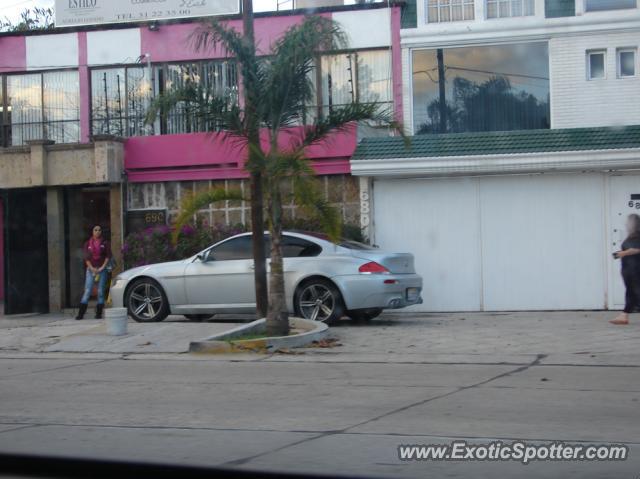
pixel 595 64
pixel 237 248
pixel 293 247
pixel 216 78
pixel 364 76
pixel 108 101
pixel 338 79
pixel 61 111
pixel 560 8
pixel 510 8
pixel 24 98
pixel 120 98
pixel 42 106
pixel 449 10
pixel 600 5
pixel 485 88
pixel 626 62
pixel 374 76
pixel 139 96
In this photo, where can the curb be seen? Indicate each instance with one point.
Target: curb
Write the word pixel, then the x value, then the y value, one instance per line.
pixel 224 343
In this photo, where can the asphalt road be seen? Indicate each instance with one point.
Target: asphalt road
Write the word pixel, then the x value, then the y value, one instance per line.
pixel 343 410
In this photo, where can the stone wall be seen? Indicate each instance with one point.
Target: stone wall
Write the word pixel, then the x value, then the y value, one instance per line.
pixel 341 190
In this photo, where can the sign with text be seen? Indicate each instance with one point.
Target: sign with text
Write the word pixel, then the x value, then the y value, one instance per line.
pixel 140 220
pixel 95 12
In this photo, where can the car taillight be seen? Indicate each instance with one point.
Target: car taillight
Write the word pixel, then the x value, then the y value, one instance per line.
pixel 373 267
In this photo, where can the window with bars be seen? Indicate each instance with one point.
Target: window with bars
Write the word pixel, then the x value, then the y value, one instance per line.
pixel 510 8
pixel 215 78
pixel 439 11
pixel 120 97
pixel 40 106
pixel 363 76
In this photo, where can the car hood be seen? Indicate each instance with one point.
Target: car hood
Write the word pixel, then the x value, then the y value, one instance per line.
pixel 157 269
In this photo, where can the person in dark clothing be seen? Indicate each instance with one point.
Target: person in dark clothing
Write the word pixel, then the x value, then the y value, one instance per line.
pixel 630 259
pixel 97 254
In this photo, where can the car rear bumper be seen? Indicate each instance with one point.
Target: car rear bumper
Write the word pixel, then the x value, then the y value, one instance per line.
pixel 386 291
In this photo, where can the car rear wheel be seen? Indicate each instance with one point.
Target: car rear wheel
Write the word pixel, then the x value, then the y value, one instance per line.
pixel 198 317
pixel 364 314
pixel 146 302
pixel 319 300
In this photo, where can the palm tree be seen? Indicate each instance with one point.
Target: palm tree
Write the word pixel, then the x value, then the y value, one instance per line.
pixel 280 88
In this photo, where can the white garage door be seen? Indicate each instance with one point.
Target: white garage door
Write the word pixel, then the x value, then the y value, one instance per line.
pixel 499 243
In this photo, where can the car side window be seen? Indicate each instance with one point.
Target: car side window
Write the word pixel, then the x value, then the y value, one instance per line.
pixel 293 247
pixel 237 248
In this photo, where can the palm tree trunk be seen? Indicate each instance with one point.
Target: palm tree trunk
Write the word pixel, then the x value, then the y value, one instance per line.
pixel 277 323
pixel 255 179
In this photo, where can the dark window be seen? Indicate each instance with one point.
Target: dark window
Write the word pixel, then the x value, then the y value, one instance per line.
pixel 483 88
pixel 293 247
pixel 559 8
pixel 237 248
pixel 409 18
pixel 600 5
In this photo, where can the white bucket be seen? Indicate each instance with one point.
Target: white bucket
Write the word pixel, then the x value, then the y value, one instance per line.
pixel 116 319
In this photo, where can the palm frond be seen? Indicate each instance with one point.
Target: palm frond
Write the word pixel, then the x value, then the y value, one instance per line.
pixel 306 191
pixel 311 199
pixel 203 108
pixel 214 34
pixel 192 203
pixel 288 87
pixel 343 117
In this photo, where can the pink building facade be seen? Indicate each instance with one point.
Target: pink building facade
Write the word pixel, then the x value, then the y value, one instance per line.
pixel 73 88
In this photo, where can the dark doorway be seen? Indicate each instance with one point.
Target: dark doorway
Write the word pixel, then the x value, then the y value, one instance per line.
pixel 26 260
pixel 85 207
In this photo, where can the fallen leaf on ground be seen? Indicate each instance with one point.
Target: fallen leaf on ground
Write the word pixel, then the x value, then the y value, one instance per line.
pixel 326 343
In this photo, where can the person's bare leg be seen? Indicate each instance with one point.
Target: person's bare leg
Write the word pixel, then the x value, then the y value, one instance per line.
pixel 621 319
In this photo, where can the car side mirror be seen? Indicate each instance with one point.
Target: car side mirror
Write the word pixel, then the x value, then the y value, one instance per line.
pixel 201 257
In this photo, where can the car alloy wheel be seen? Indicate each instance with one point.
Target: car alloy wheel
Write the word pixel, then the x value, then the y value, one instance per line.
pixel 146 302
pixel 317 302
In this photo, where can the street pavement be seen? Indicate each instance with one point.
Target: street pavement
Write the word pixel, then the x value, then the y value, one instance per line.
pixel 343 409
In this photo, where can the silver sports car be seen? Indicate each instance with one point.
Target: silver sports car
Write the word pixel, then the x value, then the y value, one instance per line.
pixel 323 281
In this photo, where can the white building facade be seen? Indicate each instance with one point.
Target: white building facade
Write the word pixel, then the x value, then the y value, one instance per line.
pixel 526 155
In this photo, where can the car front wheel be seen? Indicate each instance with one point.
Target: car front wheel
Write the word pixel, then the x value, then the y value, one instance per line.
pixel 319 300
pixel 146 302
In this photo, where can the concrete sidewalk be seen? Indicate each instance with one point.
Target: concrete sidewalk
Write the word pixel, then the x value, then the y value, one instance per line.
pixel 54 333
